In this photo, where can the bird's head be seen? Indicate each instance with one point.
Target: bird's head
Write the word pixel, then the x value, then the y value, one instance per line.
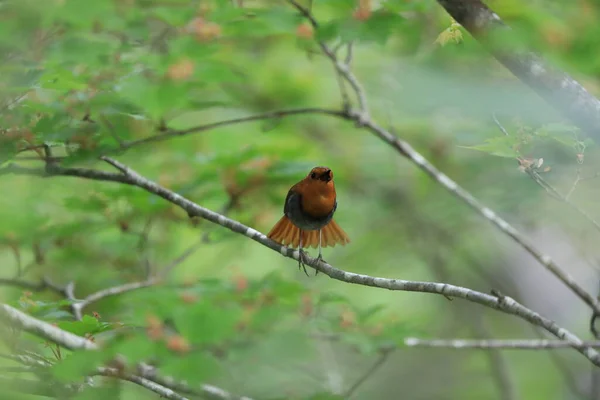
pixel 322 174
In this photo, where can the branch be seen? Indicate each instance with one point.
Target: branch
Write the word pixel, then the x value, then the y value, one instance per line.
pixel 206 391
pixel 138 380
pixel 492 344
pixel 363 378
pixel 502 303
pixel 78 307
pixel 201 128
pixel 342 67
pixel 44 330
pixel 556 87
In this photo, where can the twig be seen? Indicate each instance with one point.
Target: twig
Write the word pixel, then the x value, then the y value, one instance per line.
pixel 504 304
pixel 44 284
pixel 206 391
pixel 557 195
pixel 138 380
pixel 78 306
pixel 499 366
pixel 28 360
pixel 182 257
pixel 342 68
pixel 491 344
pixel 201 128
pixel 368 373
pixel 112 131
pixel 575 182
pixel 499 124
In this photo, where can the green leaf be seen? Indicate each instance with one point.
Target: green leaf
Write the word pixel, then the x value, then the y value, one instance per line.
pixel 87 325
pixel 503 146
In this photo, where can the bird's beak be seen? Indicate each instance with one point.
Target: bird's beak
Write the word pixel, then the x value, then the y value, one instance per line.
pixel 326 176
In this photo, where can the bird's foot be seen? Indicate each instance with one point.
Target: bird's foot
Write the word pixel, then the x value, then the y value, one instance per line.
pixel 319 259
pixel 302 260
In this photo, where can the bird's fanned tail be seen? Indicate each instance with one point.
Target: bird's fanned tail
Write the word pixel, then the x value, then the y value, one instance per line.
pixel 286 233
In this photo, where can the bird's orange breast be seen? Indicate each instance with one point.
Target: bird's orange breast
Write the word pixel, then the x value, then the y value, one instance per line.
pixel 318 198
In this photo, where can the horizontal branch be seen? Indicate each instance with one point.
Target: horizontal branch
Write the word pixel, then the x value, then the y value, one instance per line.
pixel 556 87
pixel 502 303
pixel 492 344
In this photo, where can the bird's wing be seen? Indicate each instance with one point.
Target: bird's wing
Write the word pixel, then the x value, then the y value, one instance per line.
pixel 291 198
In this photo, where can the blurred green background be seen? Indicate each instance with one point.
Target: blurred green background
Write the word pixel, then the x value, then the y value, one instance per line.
pixel 86 75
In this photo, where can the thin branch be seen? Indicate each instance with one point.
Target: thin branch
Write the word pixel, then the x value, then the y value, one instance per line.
pixel 383 357
pixel 491 344
pixel 44 330
pixel 499 125
pixel 145 383
pixel 44 284
pixel 182 257
pixel 501 303
pixel 557 88
pixel 559 196
pixel 341 67
pixel 574 185
pixel 206 391
pixel 78 307
pixel 112 131
pixel 201 128
pixel 499 365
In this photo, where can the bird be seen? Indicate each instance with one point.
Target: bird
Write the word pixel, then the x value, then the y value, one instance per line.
pixel 308 216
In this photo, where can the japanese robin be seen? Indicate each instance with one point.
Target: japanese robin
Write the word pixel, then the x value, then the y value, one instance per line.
pixel 308 215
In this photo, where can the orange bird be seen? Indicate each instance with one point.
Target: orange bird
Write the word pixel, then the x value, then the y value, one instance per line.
pixel 308 215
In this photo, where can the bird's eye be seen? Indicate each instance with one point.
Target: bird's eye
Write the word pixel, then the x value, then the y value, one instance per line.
pixel 313 175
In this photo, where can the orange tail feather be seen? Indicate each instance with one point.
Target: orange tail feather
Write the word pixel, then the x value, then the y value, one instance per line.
pixel 286 233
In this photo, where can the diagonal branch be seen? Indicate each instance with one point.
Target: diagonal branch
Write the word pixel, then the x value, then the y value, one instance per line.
pixel 44 330
pixel 556 87
pixel 497 302
pixel 381 359
pixel 143 382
